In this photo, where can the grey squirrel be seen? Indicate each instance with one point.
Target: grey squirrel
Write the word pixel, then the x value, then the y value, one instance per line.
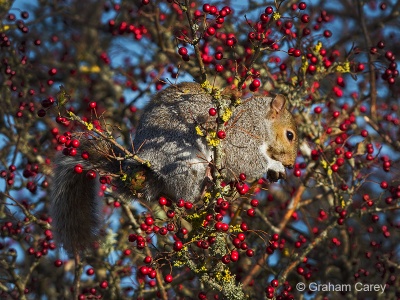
pixel 261 138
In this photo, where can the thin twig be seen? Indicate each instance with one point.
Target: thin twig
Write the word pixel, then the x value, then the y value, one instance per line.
pixel 372 79
pixel 77 277
pixel 195 42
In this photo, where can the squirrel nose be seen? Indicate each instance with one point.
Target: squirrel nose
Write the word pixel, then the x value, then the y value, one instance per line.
pixel 289 166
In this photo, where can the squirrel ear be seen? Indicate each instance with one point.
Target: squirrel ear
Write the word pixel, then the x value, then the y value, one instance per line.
pixel 278 103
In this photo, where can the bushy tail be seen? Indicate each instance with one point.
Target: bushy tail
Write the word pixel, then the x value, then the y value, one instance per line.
pixel 75 207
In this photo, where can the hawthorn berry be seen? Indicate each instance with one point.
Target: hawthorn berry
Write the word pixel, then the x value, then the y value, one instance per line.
pixel 168 278
pixel 91 174
pixel 183 51
pixel 221 134
pixel 90 272
pixel 302 5
pixel 104 284
pixel 78 169
pixel 250 252
pixel 58 263
pixel 162 201
pixel 269 10
pixel 178 245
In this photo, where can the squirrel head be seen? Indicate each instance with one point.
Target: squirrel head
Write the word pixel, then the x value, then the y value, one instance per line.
pixel 283 141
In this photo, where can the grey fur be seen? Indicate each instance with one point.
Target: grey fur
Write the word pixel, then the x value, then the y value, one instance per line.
pixel 75 210
pixel 166 136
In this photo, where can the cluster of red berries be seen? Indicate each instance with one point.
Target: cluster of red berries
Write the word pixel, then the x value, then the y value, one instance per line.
pixel 46 104
pixel 391 72
pixel 285 293
pixel 126 28
pixel 43 246
pixel 275 243
pixel 71 144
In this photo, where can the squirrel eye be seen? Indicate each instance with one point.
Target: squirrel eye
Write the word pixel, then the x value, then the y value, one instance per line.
pixel 289 135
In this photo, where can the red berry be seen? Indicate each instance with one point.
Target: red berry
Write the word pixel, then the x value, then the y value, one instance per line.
pixel 90 272
pixel 296 53
pixel 170 213
pixel 202 295
pixel 75 143
pixel 364 133
pixel 180 203
pixel 250 252
pixel 168 278
pixel 242 188
pixel 149 221
pixel 274 283
pixel 221 134
pixel 230 42
pixel 162 201
pixel 224 227
pixel 302 5
pixel 318 109
pixel 327 33
pixel 211 30
pixel 206 8
pixel 251 212
pixel 311 69
pixel 182 51
pixel 305 18
pixel 104 284
pixel 334 167
pixel 226 259
pixel 234 256
pixel 178 245
pixel 85 155
pixel 58 263
pixel 297 172
pixel 348 154
pixel 218 55
pixel 269 10
pixel 219 68
pixel 384 185
pixel 163 231
pixel 78 169
pixel 256 83
pixel 213 10
pixel 62 139
pixel 212 111
pixel 91 174
pixel 52 71
pixel 389 55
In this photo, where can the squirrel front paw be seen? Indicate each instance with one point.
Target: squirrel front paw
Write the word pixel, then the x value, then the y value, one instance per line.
pixel 275 171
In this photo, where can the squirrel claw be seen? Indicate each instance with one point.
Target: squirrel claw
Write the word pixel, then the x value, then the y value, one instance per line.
pixel 275 171
pixel 273 175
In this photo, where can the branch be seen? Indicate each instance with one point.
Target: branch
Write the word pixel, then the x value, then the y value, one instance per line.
pixel 195 41
pixel 372 79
